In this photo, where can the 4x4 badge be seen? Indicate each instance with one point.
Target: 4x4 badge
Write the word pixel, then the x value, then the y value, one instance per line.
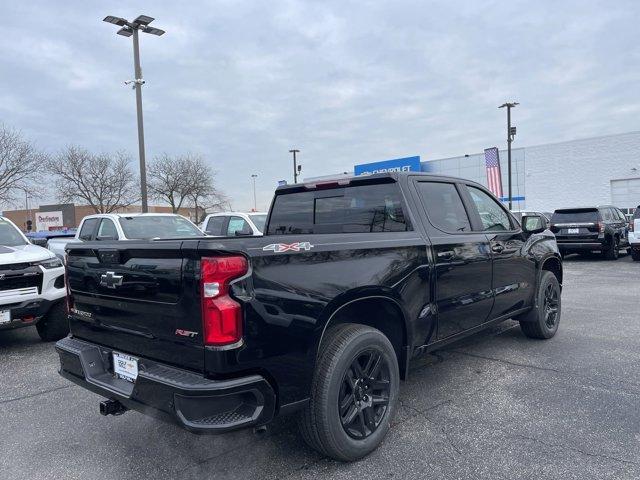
pixel 288 247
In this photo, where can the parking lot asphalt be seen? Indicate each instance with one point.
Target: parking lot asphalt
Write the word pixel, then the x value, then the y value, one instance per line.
pixel 497 405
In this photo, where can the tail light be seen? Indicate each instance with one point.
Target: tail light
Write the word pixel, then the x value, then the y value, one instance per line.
pixel 221 315
pixel 600 227
pixel 631 226
pixel 68 299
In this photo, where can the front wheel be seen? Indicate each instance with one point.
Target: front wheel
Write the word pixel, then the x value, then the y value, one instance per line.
pixel 543 319
pixel 354 393
pixel 55 324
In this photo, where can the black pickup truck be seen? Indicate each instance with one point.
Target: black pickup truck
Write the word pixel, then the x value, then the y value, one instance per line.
pixel 319 316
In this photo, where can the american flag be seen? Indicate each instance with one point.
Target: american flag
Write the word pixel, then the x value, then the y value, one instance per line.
pixel 494 176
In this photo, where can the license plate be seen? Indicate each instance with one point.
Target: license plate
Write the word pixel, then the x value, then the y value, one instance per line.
pixel 125 366
pixel 5 316
pixel 573 230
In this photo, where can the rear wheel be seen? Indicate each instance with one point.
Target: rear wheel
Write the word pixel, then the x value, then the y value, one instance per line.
pixel 55 324
pixel 613 251
pixel 354 393
pixel 543 319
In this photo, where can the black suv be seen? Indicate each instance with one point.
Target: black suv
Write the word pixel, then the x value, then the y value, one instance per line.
pixel 588 229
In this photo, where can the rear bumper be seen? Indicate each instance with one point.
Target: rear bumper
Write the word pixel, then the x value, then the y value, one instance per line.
pixel 196 403
pixel 580 246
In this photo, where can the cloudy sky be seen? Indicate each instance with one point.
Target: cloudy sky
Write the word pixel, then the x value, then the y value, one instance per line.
pixel 345 82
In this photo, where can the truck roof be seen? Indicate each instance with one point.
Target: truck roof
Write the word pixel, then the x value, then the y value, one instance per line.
pixel 367 179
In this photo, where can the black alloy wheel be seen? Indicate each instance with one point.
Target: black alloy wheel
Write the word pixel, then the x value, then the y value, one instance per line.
pixel 364 394
pixel 551 303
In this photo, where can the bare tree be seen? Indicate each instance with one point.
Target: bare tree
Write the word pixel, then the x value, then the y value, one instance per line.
pixel 169 180
pixel 204 194
pixel 103 181
pixel 20 165
pixel 184 180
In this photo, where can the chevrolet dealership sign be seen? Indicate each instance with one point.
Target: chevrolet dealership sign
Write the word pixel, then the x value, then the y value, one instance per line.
pixel 408 164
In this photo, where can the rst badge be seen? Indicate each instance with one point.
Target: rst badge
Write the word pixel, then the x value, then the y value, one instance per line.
pixel 186 333
pixel 288 247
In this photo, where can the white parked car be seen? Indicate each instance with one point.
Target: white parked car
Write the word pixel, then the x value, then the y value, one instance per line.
pixel 127 226
pixel 32 289
pixel 634 235
pixel 230 224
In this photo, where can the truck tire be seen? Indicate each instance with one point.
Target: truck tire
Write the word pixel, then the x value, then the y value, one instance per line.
pixel 55 323
pixel 635 255
pixel 543 319
pixel 613 250
pixel 354 394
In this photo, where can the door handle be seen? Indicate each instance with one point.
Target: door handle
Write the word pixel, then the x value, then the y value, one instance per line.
pixel 447 254
pixel 497 248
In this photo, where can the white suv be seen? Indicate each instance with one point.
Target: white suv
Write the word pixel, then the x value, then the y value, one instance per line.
pixel 231 224
pixel 634 235
pixel 32 289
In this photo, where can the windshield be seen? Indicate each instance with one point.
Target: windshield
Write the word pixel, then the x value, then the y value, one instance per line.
pixel 259 220
pixel 9 235
pixel 148 226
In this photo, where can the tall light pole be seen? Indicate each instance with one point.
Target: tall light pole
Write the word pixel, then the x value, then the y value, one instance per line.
pixel 131 29
pixel 255 203
pixel 296 167
pixel 511 132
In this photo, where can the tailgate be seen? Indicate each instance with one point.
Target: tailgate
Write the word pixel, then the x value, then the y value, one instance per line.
pixel 138 297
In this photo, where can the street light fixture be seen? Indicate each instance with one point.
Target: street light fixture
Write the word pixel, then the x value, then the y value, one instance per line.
pixel 141 23
pixel 296 168
pixel 255 203
pixel 511 133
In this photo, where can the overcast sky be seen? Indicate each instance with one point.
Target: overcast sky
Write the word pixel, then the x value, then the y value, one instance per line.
pixel 345 82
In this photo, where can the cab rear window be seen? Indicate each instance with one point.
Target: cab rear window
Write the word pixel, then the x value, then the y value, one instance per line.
pixel 357 209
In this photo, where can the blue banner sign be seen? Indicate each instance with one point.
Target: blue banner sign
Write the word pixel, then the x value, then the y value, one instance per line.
pixel 408 164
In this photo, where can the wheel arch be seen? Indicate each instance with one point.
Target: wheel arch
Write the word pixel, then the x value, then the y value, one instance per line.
pixel 554 265
pixel 375 309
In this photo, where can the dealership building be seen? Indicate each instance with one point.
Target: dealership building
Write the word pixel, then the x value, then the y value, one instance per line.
pixel 587 172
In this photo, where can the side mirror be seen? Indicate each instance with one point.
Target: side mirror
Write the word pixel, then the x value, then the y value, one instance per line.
pixel 245 232
pixel 533 224
pixel 107 238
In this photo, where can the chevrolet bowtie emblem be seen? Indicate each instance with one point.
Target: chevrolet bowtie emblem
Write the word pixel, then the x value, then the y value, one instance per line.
pixel 110 280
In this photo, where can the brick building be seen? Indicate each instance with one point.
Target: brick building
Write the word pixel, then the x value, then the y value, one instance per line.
pixel 69 215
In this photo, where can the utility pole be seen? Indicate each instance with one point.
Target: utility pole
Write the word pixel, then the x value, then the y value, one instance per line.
pixel 255 203
pixel 131 29
pixel 137 84
pixel 511 133
pixel 296 168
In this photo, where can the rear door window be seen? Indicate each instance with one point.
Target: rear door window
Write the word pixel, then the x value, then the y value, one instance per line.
pixel 636 214
pixel 357 209
pixel 494 218
pixel 107 230
pixel 88 227
pixel 444 206
pixel 238 224
pixel 215 225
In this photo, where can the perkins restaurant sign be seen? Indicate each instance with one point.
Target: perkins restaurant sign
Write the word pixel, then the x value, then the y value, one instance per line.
pixel 48 221
pixel 408 164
